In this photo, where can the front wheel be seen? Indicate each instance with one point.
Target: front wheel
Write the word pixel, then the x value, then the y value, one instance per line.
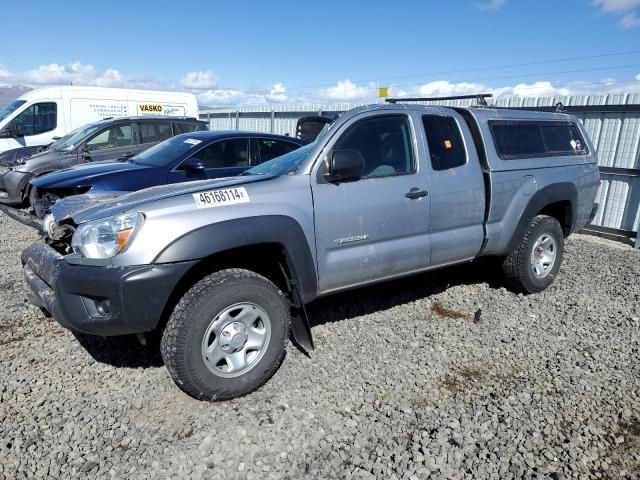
pixel 535 262
pixel 227 335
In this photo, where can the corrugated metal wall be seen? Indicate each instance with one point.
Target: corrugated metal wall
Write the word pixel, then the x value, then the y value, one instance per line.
pixel 615 135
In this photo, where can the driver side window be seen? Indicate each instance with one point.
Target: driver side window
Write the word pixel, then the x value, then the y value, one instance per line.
pixel 38 118
pixel 385 144
pixel 116 136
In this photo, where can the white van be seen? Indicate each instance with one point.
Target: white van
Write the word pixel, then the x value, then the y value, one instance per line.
pixel 38 116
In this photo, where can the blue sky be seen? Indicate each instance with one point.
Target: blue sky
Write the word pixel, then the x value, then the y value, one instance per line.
pixel 326 51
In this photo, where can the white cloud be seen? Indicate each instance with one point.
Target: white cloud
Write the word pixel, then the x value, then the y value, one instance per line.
pixel 492 5
pixel 205 86
pixel 630 20
pixel 277 93
pixel 445 88
pixel 77 73
pixel 346 91
pixel 54 73
pixel 616 6
pixel 619 7
pixel 198 80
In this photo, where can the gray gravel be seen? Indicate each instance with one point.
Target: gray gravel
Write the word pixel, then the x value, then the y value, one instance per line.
pixel 544 386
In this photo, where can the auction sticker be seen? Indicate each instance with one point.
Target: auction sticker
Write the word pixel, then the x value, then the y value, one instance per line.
pixel 218 198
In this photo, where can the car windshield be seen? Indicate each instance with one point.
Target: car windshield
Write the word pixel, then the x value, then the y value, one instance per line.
pixel 9 109
pixel 71 139
pixel 164 153
pixel 289 163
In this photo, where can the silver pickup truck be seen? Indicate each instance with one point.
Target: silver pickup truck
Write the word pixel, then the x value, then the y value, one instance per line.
pixel 222 269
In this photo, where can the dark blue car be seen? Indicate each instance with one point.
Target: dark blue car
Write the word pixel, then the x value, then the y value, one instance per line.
pixel 183 158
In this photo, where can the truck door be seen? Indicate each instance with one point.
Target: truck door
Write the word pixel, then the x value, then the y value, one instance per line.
pixel 375 227
pixel 457 189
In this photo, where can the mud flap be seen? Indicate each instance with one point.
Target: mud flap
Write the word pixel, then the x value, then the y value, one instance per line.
pixel 301 330
pixel 23 217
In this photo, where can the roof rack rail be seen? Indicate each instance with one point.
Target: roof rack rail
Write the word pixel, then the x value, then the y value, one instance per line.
pixel 480 97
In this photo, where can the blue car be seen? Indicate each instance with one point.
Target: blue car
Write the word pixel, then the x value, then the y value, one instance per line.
pixel 183 158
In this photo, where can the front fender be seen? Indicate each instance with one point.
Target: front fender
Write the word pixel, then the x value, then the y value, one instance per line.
pixel 243 232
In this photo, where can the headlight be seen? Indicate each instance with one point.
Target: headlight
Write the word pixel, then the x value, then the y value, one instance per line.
pixel 106 238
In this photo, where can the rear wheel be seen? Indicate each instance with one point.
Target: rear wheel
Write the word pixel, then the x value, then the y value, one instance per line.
pixel 227 335
pixel 534 264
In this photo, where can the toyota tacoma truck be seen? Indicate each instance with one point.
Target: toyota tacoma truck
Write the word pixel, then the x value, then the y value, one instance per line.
pixel 222 269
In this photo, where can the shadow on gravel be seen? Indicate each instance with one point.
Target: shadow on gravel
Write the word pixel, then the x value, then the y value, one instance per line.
pixel 128 352
pixel 367 300
pixel 123 351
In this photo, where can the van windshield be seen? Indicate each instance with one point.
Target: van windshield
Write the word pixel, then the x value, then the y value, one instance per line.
pixel 71 139
pixel 9 109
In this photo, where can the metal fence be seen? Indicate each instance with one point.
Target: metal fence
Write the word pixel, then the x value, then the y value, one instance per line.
pixel 613 123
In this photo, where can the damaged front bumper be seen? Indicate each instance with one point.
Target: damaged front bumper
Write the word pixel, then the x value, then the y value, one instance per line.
pixel 12 186
pixel 99 300
pixel 23 217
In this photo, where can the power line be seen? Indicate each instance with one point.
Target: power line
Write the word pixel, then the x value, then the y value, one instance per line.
pixel 504 77
pixel 479 69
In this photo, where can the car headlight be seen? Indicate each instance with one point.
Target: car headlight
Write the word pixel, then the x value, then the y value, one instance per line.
pixel 107 237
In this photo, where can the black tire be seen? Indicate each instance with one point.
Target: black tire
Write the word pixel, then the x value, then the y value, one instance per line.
pixel 181 344
pixel 517 266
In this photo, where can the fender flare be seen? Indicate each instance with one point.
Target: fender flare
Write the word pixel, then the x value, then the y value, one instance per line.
pixel 557 192
pixel 245 232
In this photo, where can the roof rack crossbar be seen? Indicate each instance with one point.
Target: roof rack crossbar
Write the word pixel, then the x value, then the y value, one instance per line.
pixel 480 97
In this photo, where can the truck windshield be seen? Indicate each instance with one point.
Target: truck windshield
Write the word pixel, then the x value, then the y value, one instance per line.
pixel 71 139
pixel 164 153
pixel 289 163
pixel 9 109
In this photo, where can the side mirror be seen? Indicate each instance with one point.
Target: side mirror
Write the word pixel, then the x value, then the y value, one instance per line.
pixel 193 167
pixel 85 154
pixel 9 131
pixel 346 164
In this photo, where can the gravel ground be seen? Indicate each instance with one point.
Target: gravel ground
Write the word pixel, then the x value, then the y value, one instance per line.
pixel 405 382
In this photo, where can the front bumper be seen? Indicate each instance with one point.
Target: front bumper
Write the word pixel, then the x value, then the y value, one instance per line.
pixel 99 300
pixel 12 185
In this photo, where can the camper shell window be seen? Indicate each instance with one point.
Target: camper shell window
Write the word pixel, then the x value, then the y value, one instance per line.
pixel 517 139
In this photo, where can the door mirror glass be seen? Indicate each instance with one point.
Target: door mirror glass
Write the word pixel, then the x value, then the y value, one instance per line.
pixel 346 164
pixel 6 132
pixel 193 166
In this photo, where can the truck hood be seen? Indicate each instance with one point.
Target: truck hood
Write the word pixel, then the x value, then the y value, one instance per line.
pixel 87 174
pixel 88 207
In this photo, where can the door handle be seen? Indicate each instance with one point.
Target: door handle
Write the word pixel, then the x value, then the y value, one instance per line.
pixel 416 193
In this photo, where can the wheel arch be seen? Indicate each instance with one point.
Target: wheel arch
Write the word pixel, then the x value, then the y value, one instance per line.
pixel 273 246
pixel 559 200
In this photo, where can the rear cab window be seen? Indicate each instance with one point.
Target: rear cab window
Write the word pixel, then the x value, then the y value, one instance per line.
pixel 519 139
pixel 446 147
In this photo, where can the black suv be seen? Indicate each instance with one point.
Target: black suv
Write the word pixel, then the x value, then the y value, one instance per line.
pixel 106 140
